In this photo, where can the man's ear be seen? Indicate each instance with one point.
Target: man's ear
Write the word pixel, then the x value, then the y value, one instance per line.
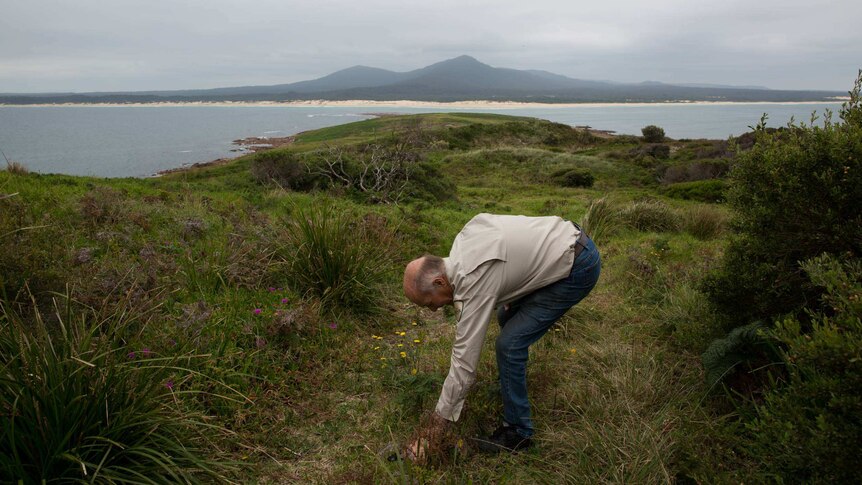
pixel 438 281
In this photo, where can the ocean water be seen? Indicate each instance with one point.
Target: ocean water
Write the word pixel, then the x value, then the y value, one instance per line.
pixel 139 141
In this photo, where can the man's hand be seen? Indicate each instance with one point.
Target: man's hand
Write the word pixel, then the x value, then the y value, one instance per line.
pixel 429 439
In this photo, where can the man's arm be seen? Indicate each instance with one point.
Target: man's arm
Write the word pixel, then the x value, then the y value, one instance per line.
pixel 469 337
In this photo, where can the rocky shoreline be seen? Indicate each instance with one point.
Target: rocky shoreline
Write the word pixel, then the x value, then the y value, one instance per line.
pixel 252 144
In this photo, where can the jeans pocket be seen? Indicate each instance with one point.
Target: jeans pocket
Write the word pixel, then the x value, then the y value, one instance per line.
pixel 588 276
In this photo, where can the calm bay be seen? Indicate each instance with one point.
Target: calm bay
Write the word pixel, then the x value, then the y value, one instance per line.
pixel 139 141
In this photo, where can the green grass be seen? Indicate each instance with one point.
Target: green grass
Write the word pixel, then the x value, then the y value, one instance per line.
pixel 617 387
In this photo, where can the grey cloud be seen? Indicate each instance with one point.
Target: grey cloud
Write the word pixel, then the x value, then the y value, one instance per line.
pixel 88 45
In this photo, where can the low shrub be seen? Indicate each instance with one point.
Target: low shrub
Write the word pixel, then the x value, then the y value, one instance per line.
pixel 658 151
pixel 379 173
pixel 336 259
pixel 652 134
pixel 690 172
pixel 577 177
pixel 284 168
pixel 703 190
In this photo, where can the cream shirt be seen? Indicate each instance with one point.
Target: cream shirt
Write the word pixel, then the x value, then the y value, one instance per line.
pixel 495 260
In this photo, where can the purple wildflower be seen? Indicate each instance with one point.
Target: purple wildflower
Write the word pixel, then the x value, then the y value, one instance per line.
pixel 333 326
pixel 271 289
pixel 170 384
pixel 284 300
pixel 145 351
pixel 257 311
pixel 131 355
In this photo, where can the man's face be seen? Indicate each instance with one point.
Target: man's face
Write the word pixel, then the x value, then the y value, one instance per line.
pixel 433 300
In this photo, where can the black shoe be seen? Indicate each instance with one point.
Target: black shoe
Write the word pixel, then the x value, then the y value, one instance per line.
pixel 505 438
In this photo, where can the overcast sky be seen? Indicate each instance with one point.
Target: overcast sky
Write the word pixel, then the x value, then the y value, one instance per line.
pixel 121 45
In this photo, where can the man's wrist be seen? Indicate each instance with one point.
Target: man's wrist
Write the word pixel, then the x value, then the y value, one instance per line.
pixel 439 420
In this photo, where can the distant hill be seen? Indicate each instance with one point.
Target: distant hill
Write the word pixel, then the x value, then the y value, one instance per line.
pixel 460 79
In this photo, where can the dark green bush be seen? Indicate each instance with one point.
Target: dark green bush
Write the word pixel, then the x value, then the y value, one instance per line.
pixel 659 151
pixel 701 190
pixel 796 194
pixel 652 134
pixel 808 430
pixel 284 168
pixel 577 177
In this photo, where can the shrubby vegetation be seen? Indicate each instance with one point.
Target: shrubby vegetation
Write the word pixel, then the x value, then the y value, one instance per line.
pixel 652 134
pixel 808 428
pixel 788 292
pixel 702 191
pixel 796 195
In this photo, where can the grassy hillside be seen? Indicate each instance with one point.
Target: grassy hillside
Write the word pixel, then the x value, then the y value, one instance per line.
pixel 225 279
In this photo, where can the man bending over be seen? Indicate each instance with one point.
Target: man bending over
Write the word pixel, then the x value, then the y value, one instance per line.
pixel 532 270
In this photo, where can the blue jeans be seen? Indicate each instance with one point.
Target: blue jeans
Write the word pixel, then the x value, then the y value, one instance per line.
pixel 526 320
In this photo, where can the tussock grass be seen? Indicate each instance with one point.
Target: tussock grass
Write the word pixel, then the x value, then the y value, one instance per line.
pixel 82 406
pixel 334 258
pixel 601 219
pixel 650 215
pixel 704 222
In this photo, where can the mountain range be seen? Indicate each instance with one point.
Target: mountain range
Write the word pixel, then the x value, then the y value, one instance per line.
pixel 460 79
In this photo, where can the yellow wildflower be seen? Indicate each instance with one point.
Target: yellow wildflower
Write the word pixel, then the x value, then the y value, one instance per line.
pixel 460 443
pixel 414 324
pixel 383 358
pixel 573 350
pixel 417 341
pixel 401 345
pixel 403 354
pixel 413 372
pixel 377 348
pixel 402 334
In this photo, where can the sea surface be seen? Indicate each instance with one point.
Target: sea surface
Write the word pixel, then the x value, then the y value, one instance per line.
pixel 139 141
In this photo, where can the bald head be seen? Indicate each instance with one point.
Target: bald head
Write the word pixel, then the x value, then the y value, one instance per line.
pixel 425 282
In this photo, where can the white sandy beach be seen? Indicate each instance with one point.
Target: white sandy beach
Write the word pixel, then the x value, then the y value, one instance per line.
pixel 457 105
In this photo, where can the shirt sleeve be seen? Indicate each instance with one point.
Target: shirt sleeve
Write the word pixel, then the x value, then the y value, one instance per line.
pixel 469 337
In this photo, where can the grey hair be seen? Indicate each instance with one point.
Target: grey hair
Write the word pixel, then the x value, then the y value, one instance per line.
pixel 432 267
